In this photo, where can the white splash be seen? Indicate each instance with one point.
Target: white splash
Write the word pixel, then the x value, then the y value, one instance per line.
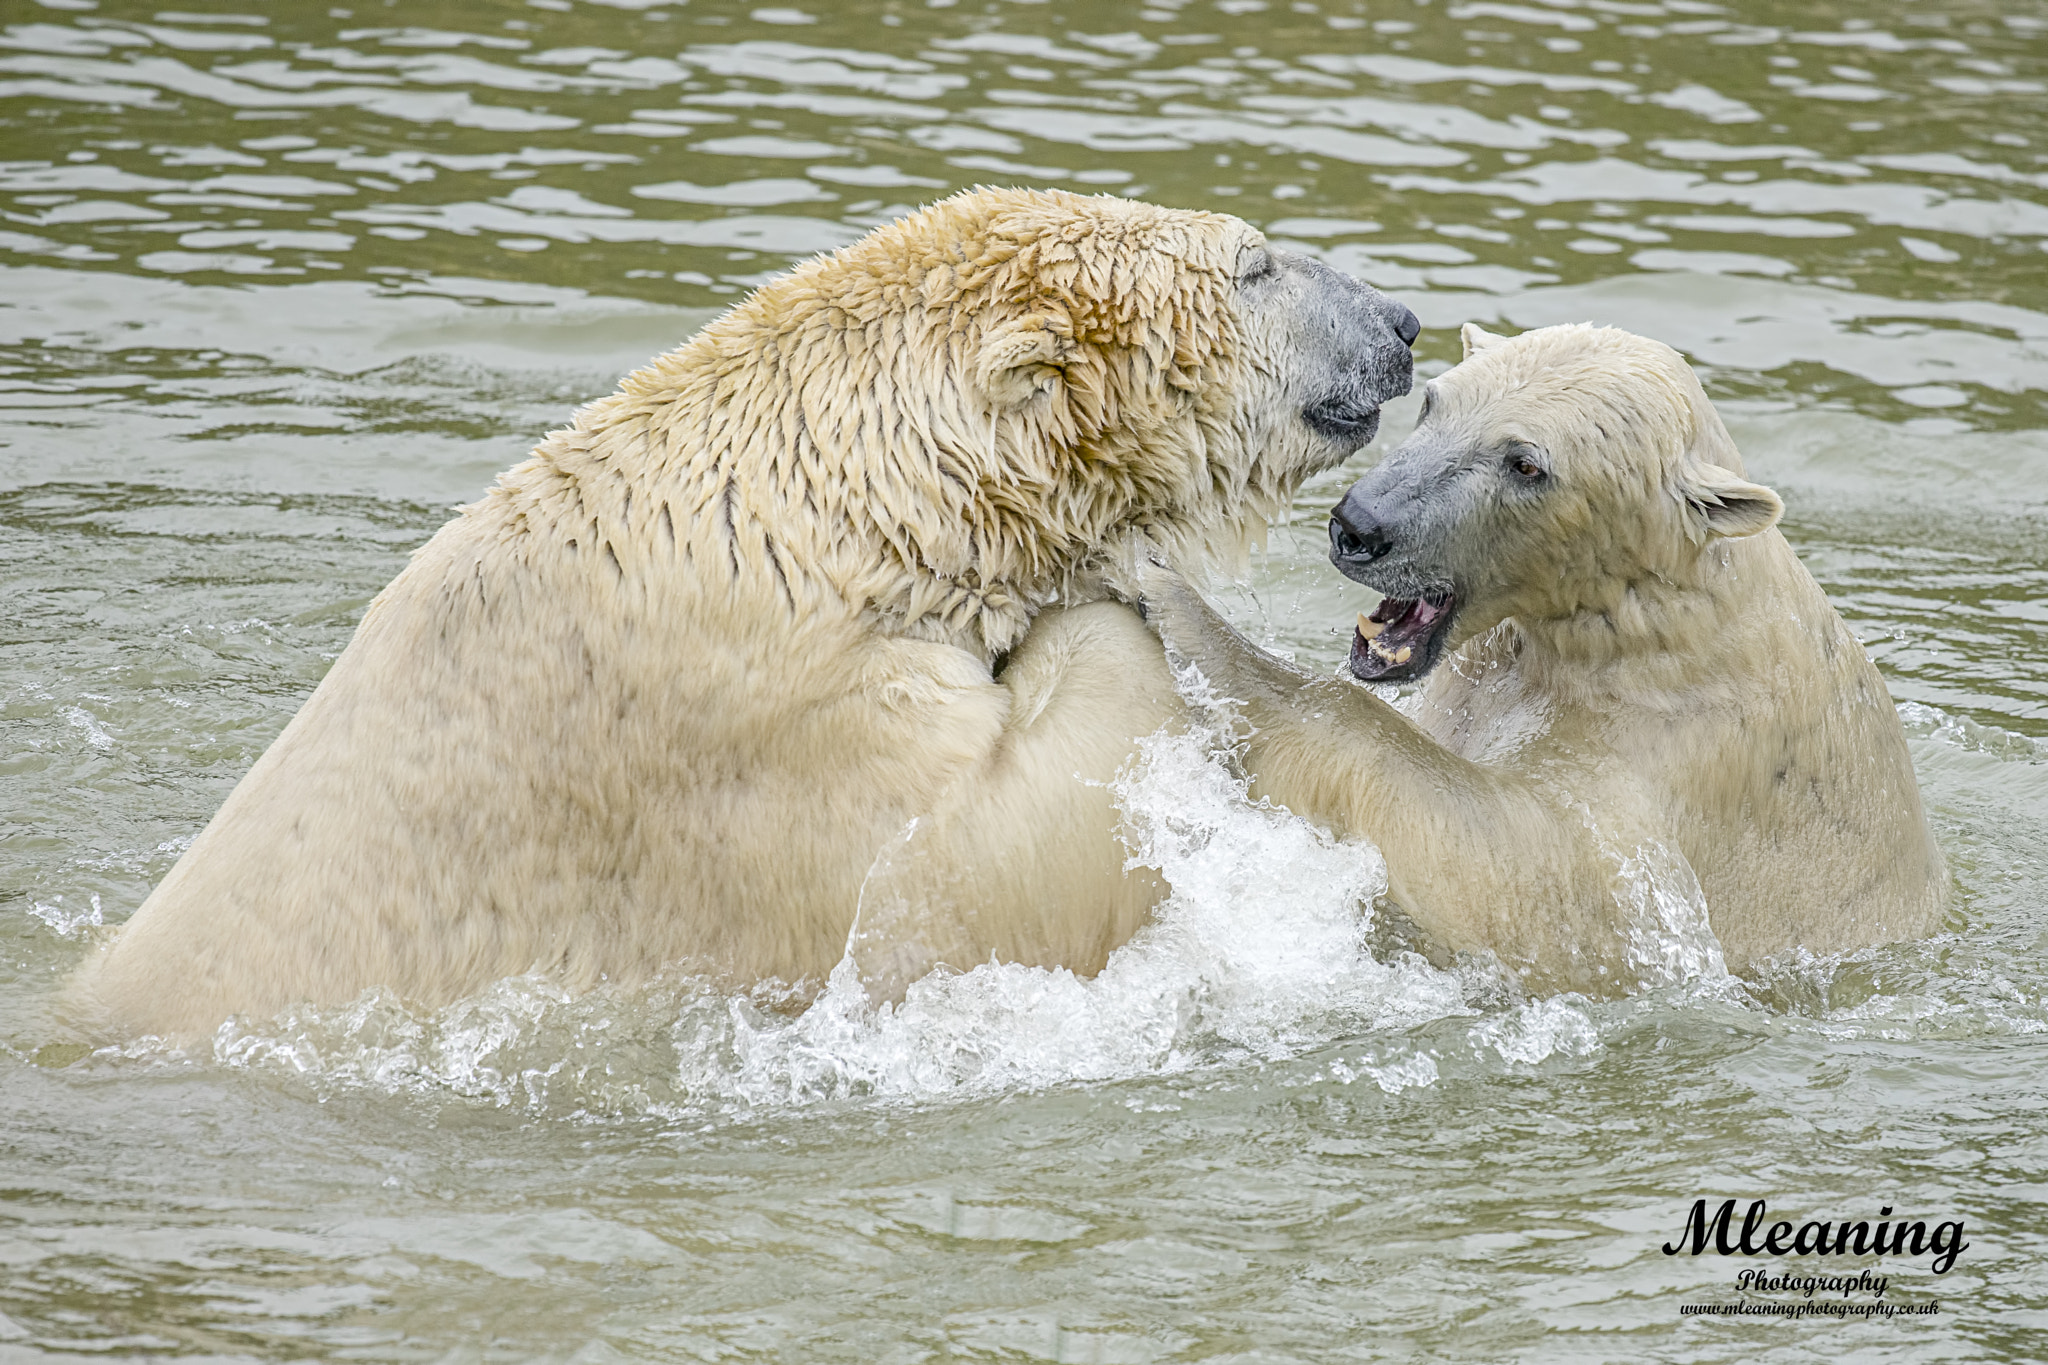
pixel 1960 732
pixel 66 921
pixel 1260 950
pixel 95 734
pixel 1670 940
pixel 1414 1071
pixel 1542 1028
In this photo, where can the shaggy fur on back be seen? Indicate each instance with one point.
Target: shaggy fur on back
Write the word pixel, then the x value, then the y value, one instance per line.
pixel 829 440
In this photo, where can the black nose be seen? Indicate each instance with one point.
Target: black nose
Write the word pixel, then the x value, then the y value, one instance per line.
pixel 1406 325
pixel 1356 537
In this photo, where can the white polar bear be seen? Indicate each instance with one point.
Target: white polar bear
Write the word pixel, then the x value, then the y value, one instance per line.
pixel 668 690
pixel 1645 703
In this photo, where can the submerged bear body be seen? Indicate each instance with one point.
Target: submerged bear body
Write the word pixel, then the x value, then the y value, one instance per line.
pixel 825 574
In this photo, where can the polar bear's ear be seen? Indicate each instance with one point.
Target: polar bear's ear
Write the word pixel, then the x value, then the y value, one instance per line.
pixel 1477 339
pixel 1719 502
pixel 1019 360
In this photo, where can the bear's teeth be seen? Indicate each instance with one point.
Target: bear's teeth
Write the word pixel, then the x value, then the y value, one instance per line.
pixel 1368 628
pixel 1402 654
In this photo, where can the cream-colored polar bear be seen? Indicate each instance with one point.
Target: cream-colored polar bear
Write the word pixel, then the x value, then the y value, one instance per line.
pixel 1645 707
pixel 777 619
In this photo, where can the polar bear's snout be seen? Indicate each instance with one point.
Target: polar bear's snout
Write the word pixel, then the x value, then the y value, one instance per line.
pixel 1406 325
pixel 1356 537
pixel 1375 533
pixel 1386 530
pixel 1351 341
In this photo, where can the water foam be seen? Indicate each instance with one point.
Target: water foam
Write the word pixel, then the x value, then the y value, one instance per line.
pixel 1923 721
pixel 1669 939
pixel 1540 1029
pixel 68 921
pixel 1260 952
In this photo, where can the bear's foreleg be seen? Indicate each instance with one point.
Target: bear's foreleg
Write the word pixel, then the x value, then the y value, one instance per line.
pixel 1020 859
pixel 1477 855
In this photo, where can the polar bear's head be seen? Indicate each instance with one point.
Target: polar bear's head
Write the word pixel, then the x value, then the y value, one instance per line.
pixel 971 405
pixel 1552 474
pixel 1184 372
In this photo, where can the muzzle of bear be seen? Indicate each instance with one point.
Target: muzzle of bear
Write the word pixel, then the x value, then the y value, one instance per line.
pixel 1357 538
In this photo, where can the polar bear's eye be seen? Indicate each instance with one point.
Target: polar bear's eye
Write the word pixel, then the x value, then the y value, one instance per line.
pixel 1526 461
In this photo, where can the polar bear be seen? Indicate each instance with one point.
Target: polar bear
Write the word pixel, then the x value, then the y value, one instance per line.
pixel 1639 709
pixel 808 609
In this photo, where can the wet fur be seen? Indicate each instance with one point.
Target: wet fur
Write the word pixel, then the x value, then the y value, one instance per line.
pixel 669 689
pixel 1642 677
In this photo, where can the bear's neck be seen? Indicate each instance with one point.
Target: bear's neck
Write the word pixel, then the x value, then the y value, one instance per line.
pixel 786 464
pixel 1671 632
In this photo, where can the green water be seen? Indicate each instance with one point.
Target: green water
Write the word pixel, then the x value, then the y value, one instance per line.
pixel 281 284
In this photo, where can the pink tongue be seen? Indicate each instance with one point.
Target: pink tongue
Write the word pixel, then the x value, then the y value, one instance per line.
pixel 1425 613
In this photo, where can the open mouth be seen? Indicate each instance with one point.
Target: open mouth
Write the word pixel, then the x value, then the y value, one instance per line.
pixel 1401 639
